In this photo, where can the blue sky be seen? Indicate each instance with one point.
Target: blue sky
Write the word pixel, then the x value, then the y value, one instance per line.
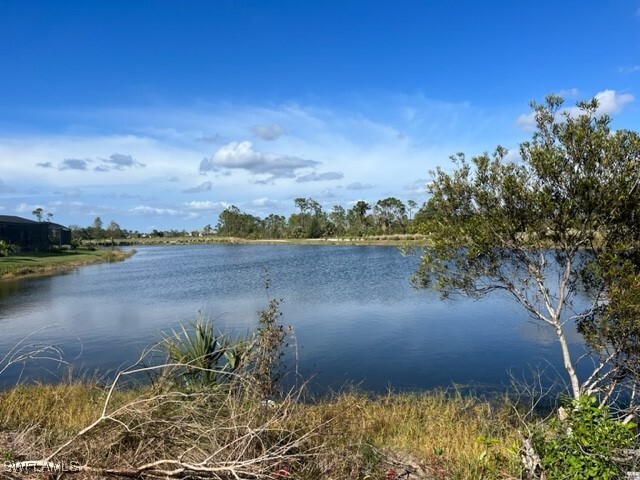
pixel 160 114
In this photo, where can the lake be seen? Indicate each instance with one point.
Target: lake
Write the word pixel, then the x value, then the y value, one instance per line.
pixel 356 317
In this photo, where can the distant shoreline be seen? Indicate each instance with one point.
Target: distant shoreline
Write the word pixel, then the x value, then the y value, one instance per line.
pixel 381 240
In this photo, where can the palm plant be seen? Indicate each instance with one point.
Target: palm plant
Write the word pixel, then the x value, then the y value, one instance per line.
pixel 206 357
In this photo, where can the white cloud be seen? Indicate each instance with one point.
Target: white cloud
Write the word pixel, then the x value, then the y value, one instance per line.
pixel 417 187
pixel 120 161
pixel 203 187
pixel 629 69
pixel 379 145
pixel 241 155
pixel 163 160
pixel 359 186
pixel 319 177
pixel 609 102
pixel 265 202
pixel 204 205
pixel 268 132
pixel 327 194
pixel 5 188
pixel 146 210
pixel 73 192
pixel 210 139
pixel 73 164
pixel 568 93
pixel 26 208
pixel 527 121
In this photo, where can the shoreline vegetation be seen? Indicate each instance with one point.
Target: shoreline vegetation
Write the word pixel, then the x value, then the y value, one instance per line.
pixel 399 240
pixel 21 265
pixel 434 435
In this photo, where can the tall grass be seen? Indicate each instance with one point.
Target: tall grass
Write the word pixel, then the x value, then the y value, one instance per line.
pixel 448 435
pixel 349 435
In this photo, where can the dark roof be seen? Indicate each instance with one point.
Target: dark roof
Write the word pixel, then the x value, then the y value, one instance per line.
pixel 57 225
pixel 25 221
pixel 13 219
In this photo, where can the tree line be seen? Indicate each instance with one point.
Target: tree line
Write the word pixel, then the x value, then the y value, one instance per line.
pixel 389 216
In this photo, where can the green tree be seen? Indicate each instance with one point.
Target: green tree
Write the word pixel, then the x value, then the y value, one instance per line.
pixel 114 230
pixel 338 217
pixel 274 226
pixel 303 205
pixel 234 223
pixel 97 232
pixel 78 234
pixel 310 222
pixel 540 229
pixel 391 215
pixel 411 206
pixel 38 213
pixel 357 217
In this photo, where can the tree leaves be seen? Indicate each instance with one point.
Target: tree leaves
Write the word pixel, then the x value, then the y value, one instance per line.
pixel 539 228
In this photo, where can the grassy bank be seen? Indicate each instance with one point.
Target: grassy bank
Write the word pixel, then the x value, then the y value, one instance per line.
pixel 48 263
pixel 382 240
pixel 346 436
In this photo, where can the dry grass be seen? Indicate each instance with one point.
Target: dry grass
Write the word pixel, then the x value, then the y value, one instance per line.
pixel 62 408
pixel 451 436
pixel 222 432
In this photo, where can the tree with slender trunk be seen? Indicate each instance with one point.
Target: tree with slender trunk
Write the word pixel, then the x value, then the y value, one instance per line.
pixel 563 219
pixel 411 206
pixel 38 213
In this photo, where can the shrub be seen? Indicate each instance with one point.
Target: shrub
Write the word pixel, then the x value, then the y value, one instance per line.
pixel 583 446
pixel 6 248
pixel 266 357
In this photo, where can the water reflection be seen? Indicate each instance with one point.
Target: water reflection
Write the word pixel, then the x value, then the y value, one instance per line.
pixel 355 314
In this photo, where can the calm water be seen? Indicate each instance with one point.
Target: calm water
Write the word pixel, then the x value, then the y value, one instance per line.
pixel 356 317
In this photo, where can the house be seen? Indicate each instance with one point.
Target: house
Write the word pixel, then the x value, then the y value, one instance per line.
pixel 34 236
pixel 59 234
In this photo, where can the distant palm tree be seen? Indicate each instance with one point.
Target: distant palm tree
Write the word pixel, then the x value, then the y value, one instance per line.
pixel 38 213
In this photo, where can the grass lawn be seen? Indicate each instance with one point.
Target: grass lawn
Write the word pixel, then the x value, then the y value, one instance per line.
pixel 51 262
